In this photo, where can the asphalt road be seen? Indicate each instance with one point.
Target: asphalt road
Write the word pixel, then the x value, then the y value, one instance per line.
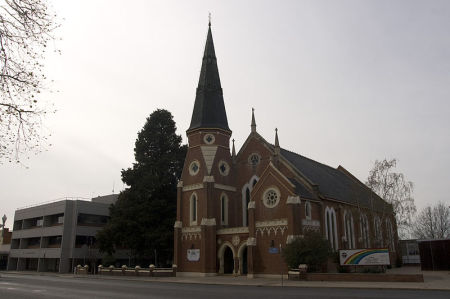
pixel 31 286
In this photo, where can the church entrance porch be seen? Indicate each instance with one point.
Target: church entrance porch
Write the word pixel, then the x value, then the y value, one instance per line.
pixel 226 256
pixel 243 260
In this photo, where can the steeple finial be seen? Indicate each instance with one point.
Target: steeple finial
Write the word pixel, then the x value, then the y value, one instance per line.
pixel 233 151
pixel 277 143
pixel 209 19
pixel 253 125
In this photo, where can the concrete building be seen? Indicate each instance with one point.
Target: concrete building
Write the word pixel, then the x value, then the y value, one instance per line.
pixel 58 236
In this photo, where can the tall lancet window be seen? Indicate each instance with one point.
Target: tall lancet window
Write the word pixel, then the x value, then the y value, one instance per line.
pixel 193 209
pixel 349 230
pixel 378 232
pixel 364 230
pixel 330 227
pixel 224 209
pixel 246 190
pixel 390 235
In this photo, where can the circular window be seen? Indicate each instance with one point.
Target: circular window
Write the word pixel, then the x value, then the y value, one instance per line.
pixel 271 197
pixel 224 168
pixel 194 167
pixel 209 139
pixel 254 159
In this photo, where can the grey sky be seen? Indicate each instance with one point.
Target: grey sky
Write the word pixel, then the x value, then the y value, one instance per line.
pixel 345 82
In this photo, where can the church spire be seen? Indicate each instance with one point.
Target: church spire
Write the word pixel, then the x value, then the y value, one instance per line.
pixel 277 143
pixel 209 108
pixel 253 125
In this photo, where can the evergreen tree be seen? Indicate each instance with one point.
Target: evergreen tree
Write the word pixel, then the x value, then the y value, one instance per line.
pixel 142 218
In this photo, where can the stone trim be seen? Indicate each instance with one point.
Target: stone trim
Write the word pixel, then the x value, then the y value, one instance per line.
pixel 193 187
pixel 191 229
pixel 178 224
pixel 209 153
pixel 294 200
pixel 233 230
pixel 180 184
pixel 208 179
pixel 251 204
pixel 208 221
pixel 224 187
pixel 270 223
pixel 313 223
pixel 251 241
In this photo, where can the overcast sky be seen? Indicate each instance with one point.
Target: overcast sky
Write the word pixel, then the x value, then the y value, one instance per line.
pixel 345 82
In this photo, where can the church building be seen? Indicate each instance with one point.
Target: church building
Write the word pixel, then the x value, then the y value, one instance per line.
pixel 237 210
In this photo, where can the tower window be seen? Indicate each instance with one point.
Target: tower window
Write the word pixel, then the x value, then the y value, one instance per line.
pixel 193 209
pixel 224 209
pixel 308 210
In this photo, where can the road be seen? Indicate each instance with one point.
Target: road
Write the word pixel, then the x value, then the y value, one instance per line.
pixel 33 286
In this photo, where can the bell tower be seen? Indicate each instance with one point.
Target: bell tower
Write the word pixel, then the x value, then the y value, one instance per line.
pixel 206 190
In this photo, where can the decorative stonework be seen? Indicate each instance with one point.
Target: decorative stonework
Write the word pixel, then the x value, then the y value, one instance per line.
pixel 209 153
pixel 194 167
pixel 192 187
pixel 208 179
pixel 191 233
pixel 224 168
pixel 180 184
pixel 313 223
pixel 251 241
pixel 274 226
pixel 208 221
pixel 178 224
pixel 236 240
pixel 291 238
pixel 271 197
pixel 209 139
pixel 251 204
pixel 224 187
pixel 295 200
pixel 219 241
pixel 254 159
pixel 233 230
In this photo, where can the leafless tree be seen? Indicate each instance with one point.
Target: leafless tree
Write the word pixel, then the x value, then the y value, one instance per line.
pixel 396 190
pixel 26 28
pixel 433 222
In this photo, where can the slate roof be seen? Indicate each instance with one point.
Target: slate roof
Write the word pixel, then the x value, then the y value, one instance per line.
pixel 209 108
pixel 333 183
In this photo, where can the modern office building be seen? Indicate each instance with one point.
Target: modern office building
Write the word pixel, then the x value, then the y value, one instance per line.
pixel 59 235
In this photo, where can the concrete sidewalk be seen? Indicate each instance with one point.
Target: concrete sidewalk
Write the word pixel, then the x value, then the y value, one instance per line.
pixel 433 280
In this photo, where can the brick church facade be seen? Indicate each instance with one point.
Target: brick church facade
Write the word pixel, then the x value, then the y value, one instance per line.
pixel 235 210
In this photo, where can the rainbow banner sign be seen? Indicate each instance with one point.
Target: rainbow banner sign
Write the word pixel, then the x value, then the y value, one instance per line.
pixel 364 257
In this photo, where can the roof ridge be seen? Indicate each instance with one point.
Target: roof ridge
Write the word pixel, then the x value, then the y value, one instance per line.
pixel 309 159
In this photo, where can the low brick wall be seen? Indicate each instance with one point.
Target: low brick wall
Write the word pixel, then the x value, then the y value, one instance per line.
pixel 151 271
pixel 376 277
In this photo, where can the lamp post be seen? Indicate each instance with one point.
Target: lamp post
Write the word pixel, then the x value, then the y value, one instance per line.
pixel 4 218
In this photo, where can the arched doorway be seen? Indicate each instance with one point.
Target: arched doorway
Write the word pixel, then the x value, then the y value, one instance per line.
pixel 244 270
pixel 243 261
pixel 228 261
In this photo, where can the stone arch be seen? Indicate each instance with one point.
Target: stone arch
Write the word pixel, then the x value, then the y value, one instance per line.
pixel 243 259
pixel 221 253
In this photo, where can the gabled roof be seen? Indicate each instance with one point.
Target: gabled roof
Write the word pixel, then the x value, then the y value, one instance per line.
pixel 333 183
pixel 209 108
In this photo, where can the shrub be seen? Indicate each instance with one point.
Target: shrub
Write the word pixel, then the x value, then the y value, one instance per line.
pixel 312 250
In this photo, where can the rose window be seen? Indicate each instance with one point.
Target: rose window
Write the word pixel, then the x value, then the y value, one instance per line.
pixel 271 197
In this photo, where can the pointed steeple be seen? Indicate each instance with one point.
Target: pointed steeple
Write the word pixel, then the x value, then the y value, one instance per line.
pixel 209 108
pixel 277 143
pixel 233 152
pixel 253 125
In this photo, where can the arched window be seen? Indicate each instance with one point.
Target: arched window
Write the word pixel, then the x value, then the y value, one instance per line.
pixel 193 209
pixel 349 230
pixel 364 230
pixel 390 234
pixel 224 209
pixel 246 190
pixel 378 232
pixel 330 227
pixel 308 210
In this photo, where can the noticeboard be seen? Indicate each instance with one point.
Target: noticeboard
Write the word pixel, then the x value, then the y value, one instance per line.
pixel 364 257
pixel 193 255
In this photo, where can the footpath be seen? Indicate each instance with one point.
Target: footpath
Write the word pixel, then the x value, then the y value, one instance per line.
pixel 433 280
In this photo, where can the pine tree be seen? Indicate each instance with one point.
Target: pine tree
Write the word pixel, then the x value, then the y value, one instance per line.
pixel 142 219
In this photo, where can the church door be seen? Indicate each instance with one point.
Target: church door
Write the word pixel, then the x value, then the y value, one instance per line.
pixel 228 261
pixel 244 270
